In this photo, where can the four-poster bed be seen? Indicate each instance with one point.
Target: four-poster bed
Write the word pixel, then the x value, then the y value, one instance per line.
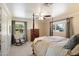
pixel 53 45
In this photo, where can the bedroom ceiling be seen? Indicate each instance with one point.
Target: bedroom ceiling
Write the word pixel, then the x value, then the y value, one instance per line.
pixel 22 10
pixel 26 10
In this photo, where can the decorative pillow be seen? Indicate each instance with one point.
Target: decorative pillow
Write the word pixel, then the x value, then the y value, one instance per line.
pixel 75 51
pixel 74 40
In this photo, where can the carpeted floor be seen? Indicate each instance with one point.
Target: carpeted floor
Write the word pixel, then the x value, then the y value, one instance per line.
pixel 24 50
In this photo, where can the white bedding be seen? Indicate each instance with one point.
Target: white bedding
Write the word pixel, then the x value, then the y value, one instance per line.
pixel 50 46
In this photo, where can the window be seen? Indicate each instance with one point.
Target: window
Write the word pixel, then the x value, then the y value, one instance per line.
pixel 59 26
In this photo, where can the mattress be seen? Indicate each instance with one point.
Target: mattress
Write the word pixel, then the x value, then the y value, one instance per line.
pixel 50 46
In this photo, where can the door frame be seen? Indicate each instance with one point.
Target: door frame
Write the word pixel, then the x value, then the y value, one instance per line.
pixel 13 29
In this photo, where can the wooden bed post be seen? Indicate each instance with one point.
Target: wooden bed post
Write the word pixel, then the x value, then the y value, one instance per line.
pixel 33 22
pixel 51 28
pixel 34 32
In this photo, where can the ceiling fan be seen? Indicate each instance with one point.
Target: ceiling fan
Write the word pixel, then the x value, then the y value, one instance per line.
pixel 47 4
pixel 45 15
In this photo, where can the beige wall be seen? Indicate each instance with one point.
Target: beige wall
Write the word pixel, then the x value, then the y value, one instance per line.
pixel 47 27
pixel 76 23
pixel 63 34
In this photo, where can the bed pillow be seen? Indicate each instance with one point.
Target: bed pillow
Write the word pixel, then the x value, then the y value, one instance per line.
pixel 74 40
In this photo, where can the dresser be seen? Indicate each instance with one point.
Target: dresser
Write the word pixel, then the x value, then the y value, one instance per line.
pixel 34 34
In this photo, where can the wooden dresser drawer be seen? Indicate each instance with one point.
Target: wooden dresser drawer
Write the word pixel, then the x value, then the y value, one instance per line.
pixel 34 34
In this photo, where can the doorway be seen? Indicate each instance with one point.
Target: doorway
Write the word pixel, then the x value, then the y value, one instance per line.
pixel 19 32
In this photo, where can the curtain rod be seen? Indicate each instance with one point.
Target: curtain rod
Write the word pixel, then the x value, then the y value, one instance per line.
pixel 61 19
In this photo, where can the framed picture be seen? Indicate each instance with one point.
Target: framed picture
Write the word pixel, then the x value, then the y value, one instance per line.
pixel 59 26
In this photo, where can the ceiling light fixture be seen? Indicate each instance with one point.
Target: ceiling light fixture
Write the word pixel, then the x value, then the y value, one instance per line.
pixel 45 11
